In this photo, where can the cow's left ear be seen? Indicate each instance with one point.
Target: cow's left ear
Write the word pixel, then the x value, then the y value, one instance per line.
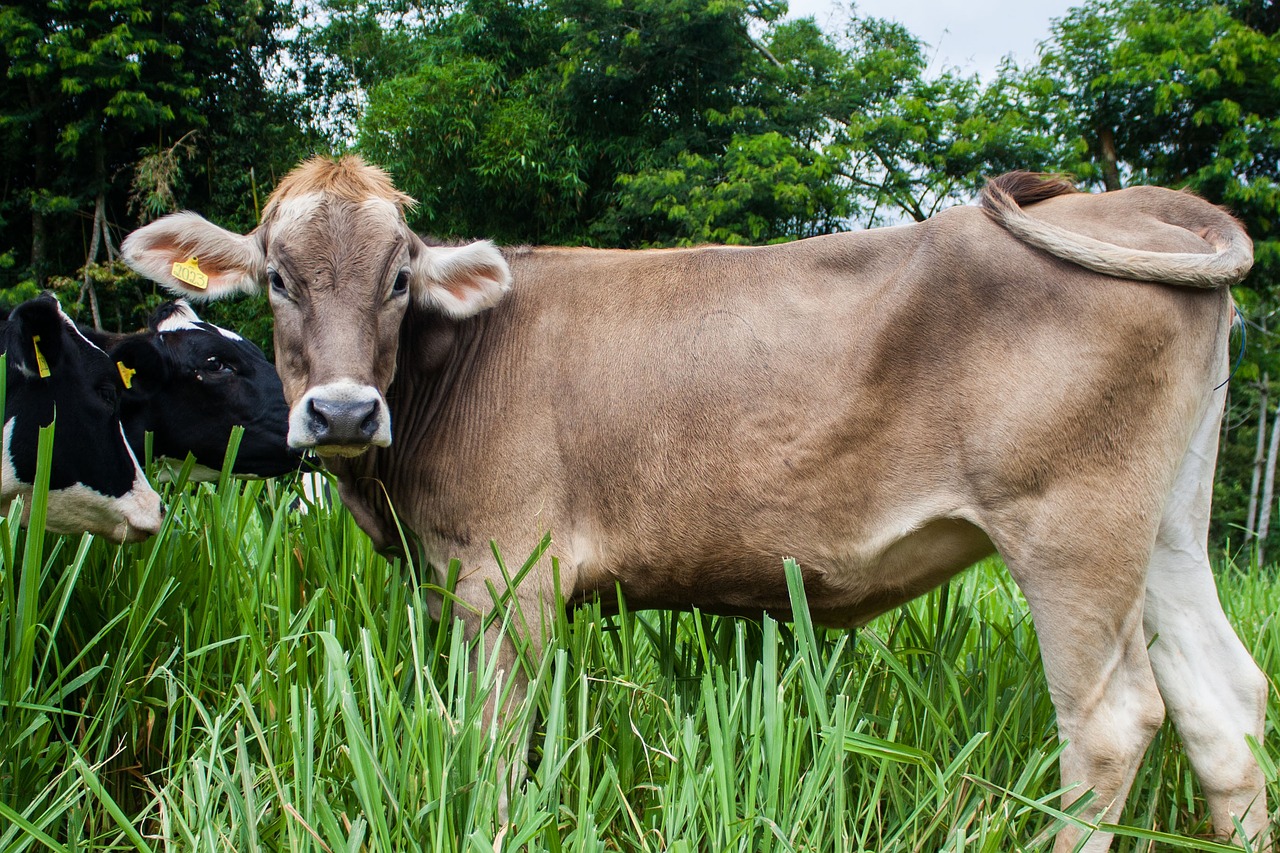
pixel 38 324
pixel 142 367
pixel 195 258
pixel 461 281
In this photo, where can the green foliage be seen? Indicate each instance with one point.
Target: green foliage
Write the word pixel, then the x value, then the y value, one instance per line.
pixel 763 189
pixel 153 192
pixel 455 134
pixel 92 87
pixel 14 296
pixel 256 677
pixel 912 144
pixel 129 298
pixel 1189 93
pixel 653 122
pixel 517 119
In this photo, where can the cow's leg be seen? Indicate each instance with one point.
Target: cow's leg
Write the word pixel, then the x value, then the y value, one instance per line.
pixel 1214 691
pixel 510 687
pixel 1085 588
pixel 520 626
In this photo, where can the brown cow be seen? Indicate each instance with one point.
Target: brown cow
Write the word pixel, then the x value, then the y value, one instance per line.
pixel 885 406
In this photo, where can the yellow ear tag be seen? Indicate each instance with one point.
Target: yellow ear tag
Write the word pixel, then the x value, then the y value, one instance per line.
pixel 126 374
pixel 189 272
pixel 41 365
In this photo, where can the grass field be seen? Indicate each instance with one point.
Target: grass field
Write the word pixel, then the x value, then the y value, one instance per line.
pixel 257 678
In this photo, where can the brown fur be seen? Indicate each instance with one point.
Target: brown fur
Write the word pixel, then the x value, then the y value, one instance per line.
pixel 1026 188
pixel 884 406
pixel 347 178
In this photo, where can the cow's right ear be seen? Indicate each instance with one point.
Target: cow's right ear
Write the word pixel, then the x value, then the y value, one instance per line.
pixel 195 258
pixel 143 368
pixel 37 325
pixel 462 280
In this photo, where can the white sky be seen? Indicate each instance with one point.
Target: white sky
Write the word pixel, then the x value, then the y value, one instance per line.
pixel 972 35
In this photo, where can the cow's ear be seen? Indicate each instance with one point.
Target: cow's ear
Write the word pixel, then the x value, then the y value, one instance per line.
pixel 38 326
pixel 195 258
pixel 461 281
pixel 142 367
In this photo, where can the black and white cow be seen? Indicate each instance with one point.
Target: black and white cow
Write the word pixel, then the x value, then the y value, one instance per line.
pixel 190 382
pixel 95 481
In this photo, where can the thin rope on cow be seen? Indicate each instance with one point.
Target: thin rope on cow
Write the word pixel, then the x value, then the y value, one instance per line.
pixel 1244 334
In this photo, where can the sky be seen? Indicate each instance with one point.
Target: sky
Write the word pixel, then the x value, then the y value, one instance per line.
pixel 972 35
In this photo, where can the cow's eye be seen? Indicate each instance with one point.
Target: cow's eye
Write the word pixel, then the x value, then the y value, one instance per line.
pixel 213 364
pixel 401 284
pixel 276 282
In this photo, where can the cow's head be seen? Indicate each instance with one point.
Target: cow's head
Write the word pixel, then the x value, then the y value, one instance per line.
pixel 95 482
pixel 191 382
pixel 341 267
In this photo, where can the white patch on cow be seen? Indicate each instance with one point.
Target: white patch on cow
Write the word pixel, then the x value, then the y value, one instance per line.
pixel 295 209
pixel 302 435
pixel 1211 686
pixel 585 559
pixel 10 485
pixel 381 206
pixel 316 490
pixel 131 517
pixel 182 318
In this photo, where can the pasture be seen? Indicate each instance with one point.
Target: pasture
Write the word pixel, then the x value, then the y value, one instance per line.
pixel 256 677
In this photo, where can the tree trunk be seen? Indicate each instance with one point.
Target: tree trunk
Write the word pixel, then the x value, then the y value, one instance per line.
pixel 94 232
pixel 1107 149
pixel 1268 488
pixel 98 235
pixel 1259 456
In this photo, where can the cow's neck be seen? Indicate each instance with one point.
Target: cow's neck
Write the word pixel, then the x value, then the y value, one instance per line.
pixel 434 358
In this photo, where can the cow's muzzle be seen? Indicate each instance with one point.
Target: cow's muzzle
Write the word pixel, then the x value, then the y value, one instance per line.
pixel 341 418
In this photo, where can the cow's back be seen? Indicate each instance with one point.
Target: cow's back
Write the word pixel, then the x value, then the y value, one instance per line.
pixel 682 419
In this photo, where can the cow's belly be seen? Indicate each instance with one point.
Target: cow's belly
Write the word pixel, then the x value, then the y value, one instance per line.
pixel 846 585
pixel 909 567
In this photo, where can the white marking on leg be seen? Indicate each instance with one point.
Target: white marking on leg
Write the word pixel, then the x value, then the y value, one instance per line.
pixel 1213 688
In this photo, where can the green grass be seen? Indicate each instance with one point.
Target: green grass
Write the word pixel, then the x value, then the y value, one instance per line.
pixel 257 678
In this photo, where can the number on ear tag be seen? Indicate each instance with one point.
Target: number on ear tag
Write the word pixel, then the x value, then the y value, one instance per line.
pixel 189 273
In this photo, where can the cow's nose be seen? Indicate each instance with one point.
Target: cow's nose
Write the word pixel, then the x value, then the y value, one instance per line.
pixel 343 417
pixel 351 422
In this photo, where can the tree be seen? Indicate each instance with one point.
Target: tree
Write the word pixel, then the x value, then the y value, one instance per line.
pixel 94 87
pixel 764 188
pixel 651 122
pixel 514 120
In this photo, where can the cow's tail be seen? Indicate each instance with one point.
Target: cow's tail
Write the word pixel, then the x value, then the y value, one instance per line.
pixel 1230 261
